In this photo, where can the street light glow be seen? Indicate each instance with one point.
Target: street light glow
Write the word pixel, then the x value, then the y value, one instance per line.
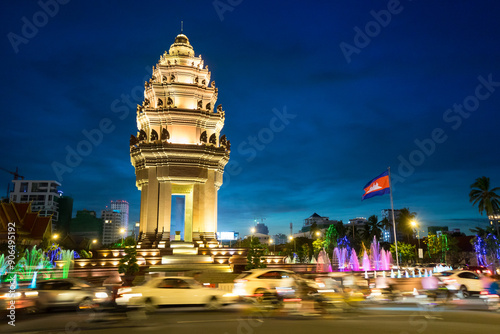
pixel 55 236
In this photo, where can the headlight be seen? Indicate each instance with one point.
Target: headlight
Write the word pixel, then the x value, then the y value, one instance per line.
pixel 10 296
pixel 121 291
pixel 31 293
pixel 101 295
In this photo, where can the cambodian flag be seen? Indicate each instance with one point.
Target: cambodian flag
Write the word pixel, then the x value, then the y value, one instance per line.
pixel 378 186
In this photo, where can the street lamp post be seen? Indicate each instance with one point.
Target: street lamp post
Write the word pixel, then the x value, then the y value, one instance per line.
pixel 294 243
pixel 253 232
pixel 271 242
pixel 122 232
pixel 414 224
pixel 415 227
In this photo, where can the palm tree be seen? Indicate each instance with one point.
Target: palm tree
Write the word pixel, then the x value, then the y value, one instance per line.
pixel 404 222
pixel 375 227
pixel 487 199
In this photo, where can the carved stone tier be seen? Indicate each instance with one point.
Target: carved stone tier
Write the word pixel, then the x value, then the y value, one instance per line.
pixel 179 149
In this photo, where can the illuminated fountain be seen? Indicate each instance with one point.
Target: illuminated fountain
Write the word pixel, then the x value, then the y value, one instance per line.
pixel 66 258
pixel 353 261
pixel 345 258
pixel 33 281
pixel 375 254
pixel 32 262
pixel 440 268
pixel 340 256
pixel 366 262
pixel 380 259
pixel 323 264
pixel 3 265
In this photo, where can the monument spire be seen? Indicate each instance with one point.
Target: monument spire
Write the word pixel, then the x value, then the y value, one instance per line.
pixel 178 149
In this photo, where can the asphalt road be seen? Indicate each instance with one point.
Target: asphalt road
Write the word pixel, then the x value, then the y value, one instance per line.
pixel 387 318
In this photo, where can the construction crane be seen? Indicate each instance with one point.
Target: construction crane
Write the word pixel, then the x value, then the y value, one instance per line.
pixel 16 177
pixel 16 173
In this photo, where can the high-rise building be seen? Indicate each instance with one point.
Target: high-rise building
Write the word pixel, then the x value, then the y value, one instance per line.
pixel 65 208
pixel 179 150
pixel 42 195
pixel 87 225
pixel 261 228
pixel 122 207
pixel 388 231
pixel 112 230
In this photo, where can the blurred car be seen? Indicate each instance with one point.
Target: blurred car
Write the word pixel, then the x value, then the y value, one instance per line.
pixel 478 269
pixel 255 282
pixel 467 282
pixel 23 299
pixel 70 293
pixel 165 291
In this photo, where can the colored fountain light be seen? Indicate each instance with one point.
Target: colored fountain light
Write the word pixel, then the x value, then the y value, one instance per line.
pixel 366 262
pixel 354 262
pixel 323 264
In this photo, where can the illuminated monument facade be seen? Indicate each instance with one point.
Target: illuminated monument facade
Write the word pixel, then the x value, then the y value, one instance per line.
pixel 179 149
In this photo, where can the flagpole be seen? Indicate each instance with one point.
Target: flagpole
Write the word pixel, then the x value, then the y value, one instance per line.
pixel 393 220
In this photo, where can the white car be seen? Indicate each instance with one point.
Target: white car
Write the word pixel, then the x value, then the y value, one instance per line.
pixel 164 291
pixel 255 282
pixel 466 282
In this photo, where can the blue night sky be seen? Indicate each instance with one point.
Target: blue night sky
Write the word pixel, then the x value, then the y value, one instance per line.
pixel 319 99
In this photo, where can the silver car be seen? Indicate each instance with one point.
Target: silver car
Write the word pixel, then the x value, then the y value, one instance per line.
pixel 69 293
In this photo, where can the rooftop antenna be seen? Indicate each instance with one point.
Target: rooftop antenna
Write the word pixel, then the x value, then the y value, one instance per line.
pixel 182 27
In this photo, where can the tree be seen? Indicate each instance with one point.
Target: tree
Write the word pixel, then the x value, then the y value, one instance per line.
pixel 404 222
pixel 437 247
pixel 313 230
pixel 331 236
pixel 365 234
pixel 487 199
pixel 455 254
pixel 318 245
pixel 128 265
pixel 375 227
pixel 304 253
pixel 255 253
pixel 406 251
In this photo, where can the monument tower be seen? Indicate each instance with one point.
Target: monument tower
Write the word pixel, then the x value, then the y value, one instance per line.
pixel 179 149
